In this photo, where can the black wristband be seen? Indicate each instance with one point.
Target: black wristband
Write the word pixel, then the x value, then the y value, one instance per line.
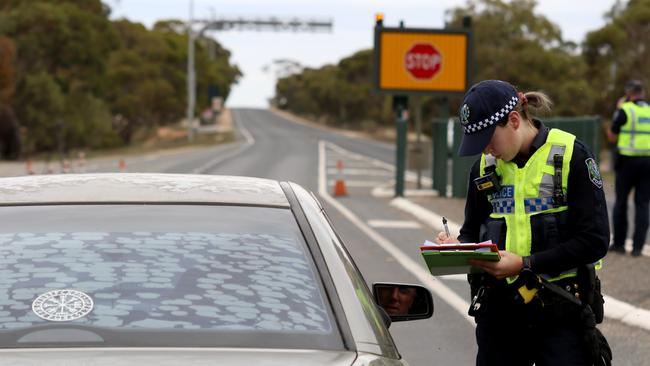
pixel 527 263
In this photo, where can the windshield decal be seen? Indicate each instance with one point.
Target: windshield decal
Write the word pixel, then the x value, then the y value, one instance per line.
pixel 62 305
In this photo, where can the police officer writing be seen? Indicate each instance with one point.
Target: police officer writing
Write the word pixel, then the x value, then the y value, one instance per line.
pixel 537 193
pixel 631 132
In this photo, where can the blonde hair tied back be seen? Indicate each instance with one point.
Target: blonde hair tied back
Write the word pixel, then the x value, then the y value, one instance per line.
pixel 535 103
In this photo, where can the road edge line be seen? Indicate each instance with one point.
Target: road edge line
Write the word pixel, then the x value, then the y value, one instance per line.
pixel 250 141
pixel 378 163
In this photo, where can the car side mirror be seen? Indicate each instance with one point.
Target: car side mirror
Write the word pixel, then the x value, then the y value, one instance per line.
pixel 403 302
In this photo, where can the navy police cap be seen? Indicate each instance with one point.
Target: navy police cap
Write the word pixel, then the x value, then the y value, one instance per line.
pixel 485 104
pixel 633 86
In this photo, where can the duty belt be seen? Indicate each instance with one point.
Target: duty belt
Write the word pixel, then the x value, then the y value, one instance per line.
pixel 529 286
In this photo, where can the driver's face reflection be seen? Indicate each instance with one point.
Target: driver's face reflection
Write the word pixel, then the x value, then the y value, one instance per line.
pixel 395 300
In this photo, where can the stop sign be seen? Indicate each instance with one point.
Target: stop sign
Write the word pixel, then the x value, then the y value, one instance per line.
pixel 423 61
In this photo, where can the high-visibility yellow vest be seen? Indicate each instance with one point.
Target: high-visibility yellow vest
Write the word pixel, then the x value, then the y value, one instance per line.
pixel 528 191
pixel 634 138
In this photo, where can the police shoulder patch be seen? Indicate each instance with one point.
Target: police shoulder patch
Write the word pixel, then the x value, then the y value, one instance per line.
pixel 594 173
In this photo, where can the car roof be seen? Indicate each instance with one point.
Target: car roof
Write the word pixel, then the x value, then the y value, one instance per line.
pixel 141 188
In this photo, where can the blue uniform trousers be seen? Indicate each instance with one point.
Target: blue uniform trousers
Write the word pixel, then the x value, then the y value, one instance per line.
pixel 632 173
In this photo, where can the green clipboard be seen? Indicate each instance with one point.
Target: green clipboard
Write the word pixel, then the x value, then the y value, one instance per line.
pixel 443 260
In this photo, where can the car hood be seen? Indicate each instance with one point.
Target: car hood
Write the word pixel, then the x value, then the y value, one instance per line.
pixel 169 357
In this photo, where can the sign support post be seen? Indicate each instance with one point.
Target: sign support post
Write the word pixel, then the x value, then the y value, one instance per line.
pixel 439 170
pixel 418 133
pixel 400 106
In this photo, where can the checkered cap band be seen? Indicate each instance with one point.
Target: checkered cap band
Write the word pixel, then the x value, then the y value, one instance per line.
pixel 496 117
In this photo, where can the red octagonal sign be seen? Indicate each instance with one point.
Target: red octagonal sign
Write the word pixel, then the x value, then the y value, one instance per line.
pixel 423 61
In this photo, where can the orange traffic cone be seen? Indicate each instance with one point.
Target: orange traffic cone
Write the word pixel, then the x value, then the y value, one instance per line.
pixel 28 167
pixel 122 165
pixel 339 185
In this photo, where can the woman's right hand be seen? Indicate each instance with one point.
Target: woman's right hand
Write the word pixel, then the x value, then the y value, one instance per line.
pixel 442 238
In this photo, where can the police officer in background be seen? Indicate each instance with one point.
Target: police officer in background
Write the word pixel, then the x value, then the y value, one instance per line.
pixel 631 132
pixel 537 193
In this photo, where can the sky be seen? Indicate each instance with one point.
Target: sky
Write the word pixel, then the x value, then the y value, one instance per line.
pixel 353 22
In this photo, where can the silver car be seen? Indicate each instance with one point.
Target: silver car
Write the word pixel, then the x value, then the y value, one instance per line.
pixel 158 269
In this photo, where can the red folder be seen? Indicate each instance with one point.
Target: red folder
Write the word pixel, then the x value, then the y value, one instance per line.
pixel 460 246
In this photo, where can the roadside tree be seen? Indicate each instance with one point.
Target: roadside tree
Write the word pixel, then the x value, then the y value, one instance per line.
pixel 618 51
pixel 512 42
pixel 61 48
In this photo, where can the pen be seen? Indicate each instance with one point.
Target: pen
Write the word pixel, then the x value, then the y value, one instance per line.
pixel 444 223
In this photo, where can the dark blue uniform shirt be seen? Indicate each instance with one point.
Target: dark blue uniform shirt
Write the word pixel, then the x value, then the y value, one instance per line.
pixel 589 237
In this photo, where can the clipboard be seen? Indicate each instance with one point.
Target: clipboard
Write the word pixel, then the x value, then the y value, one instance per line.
pixel 442 259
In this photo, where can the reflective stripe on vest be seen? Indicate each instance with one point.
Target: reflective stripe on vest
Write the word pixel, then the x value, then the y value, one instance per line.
pixel 529 191
pixel 634 137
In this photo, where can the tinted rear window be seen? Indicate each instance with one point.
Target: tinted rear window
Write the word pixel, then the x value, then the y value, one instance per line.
pixel 167 275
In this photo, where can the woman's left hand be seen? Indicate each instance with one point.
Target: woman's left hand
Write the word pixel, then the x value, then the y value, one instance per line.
pixel 509 265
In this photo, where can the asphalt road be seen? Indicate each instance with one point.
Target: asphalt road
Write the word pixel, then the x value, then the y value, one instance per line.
pixel 270 146
pixel 289 151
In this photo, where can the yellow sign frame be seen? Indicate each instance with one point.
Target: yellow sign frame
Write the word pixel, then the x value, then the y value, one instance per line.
pixel 392 45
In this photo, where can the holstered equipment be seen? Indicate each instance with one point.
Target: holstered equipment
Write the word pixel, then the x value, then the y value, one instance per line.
pixel 590 292
pixel 583 298
pixel 588 300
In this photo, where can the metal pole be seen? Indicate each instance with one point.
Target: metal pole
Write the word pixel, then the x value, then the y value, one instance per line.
pixel 440 151
pixel 418 131
pixel 400 158
pixel 241 24
pixel 191 87
pixel 444 113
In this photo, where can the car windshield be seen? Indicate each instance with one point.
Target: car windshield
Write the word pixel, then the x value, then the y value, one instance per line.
pixel 159 275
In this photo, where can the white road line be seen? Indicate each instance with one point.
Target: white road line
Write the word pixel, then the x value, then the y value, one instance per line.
pixel 393 224
pixel 356 171
pixel 386 192
pixel 356 183
pixel 454 277
pixel 345 133
pixel 348 164
pixel 429 218
pixel 347 153
pixel 250 141
pixel 614 309
pixel 626 313
pixel 444 292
